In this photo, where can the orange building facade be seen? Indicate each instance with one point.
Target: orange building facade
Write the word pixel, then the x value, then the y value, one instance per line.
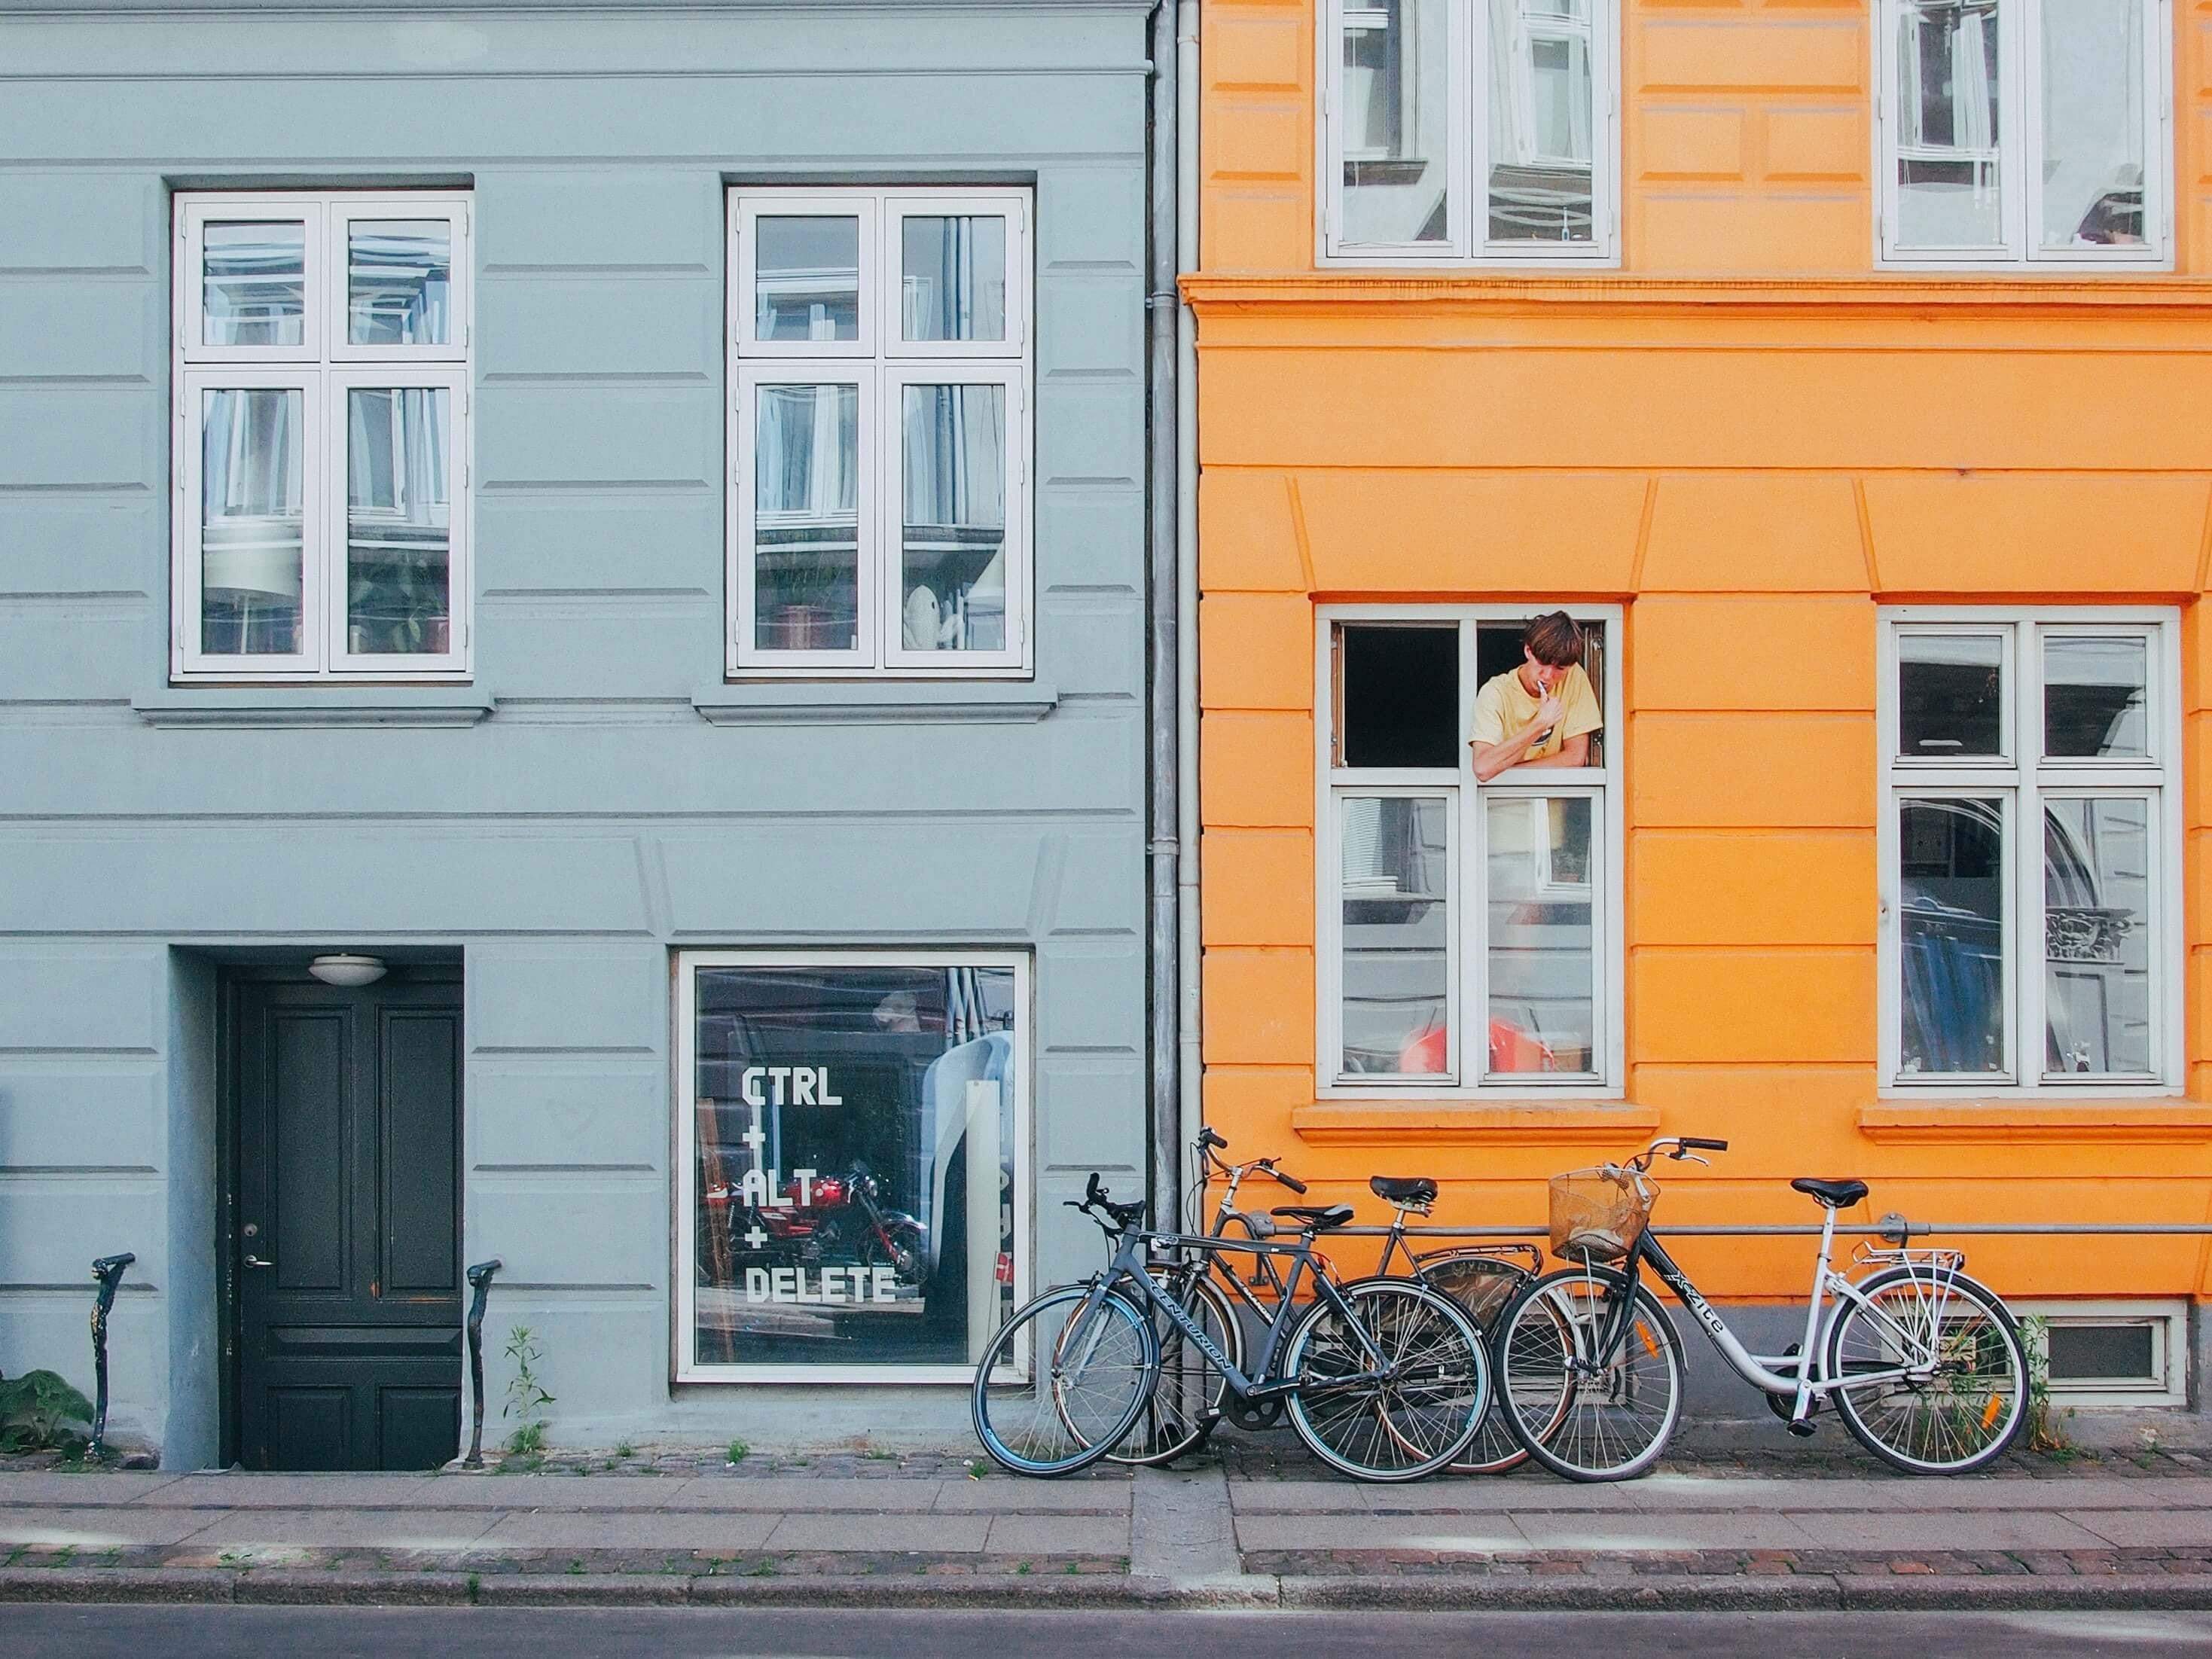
pixel 1893 861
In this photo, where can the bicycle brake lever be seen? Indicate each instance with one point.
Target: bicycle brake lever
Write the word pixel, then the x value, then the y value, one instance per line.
pixel 1692 1158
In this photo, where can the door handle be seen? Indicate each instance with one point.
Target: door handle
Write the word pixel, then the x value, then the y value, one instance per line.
pixel 253 1261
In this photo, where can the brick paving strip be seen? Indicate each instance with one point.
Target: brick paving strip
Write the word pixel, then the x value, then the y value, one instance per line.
pixel 1244 1529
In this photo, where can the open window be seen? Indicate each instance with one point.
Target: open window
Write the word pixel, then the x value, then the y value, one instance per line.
pixel 1470 929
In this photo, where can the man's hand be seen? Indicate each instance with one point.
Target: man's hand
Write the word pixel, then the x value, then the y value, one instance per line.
pixel 1548 710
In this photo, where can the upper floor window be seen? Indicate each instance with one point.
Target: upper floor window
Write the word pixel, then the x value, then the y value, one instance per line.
pixel 2031 851
pixel 879 444
pixel 321 390
pixel 1469 130
pixel 1471 852
pixel 2025 132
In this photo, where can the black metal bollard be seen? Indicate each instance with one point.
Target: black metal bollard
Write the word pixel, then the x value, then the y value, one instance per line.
pixel 108 1272
pixel 479 1278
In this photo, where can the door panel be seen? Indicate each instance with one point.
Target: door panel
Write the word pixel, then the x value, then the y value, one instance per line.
pixel 349 1121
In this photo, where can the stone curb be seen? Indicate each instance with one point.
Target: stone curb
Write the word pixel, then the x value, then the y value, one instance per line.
pixel 1799 1593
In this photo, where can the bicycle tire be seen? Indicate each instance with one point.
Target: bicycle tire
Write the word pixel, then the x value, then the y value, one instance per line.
pixel 1420 1424
pixel 1483 1286
pixel 1986 1409
pixel 1179 1416
pixel 1078 1438
pixel 1610 1426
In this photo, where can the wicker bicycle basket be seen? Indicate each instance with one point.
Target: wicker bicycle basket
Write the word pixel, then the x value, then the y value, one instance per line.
pixel 1599 1213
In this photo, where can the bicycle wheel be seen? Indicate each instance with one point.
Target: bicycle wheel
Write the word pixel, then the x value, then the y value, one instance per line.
pixel 1418 1420
pixel 1188 1403
pixel 1483 1286
pixel 1583 1415
pixel 1963 1396
pixel 1058 1389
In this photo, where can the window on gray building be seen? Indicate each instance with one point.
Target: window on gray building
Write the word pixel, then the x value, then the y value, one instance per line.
pixel 321 375
pixel 879 439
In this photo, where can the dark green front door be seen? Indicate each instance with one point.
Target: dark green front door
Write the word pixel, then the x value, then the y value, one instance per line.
pixel 348 1247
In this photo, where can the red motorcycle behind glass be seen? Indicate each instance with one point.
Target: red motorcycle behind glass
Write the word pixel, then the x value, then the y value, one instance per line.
pixel 841 1221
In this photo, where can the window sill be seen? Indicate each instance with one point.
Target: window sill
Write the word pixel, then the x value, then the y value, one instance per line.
pixel 927 702
pixel 2015 1122
pixel 248 708
pixel 1490 1123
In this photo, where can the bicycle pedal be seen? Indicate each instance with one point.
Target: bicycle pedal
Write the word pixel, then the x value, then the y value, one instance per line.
pixel 1803 1430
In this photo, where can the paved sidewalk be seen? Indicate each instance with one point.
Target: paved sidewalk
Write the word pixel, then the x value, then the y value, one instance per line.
pixel 923 1530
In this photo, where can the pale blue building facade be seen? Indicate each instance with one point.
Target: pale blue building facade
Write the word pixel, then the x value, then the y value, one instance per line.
pixel 634 520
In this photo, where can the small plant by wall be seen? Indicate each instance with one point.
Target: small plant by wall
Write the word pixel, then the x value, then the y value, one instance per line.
pixel 527 1394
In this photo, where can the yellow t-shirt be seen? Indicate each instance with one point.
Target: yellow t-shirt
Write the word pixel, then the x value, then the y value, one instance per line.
pixel 1504 705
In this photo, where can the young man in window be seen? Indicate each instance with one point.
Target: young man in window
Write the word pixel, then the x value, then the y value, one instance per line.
pixel 1543 712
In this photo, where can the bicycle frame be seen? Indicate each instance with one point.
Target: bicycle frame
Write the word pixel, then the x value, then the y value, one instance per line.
pixel 1794 1374
pixel 1128 1263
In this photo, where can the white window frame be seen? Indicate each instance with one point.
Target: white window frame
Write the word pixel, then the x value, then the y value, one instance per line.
pixel 683 1124
pixel 324 368
pixel 2168 1320
pixel 1466 1077
pixel 882 363
pixel 2023 781
pixel 2019 149
pixel 1467 191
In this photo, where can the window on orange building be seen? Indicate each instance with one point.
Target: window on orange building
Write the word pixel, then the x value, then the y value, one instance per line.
pixel 1475 133
pixel 2030 834
pixel 1470 930
pixel 2017 132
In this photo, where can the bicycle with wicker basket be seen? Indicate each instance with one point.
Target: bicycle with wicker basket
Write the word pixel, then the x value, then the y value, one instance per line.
pixel 1924 1365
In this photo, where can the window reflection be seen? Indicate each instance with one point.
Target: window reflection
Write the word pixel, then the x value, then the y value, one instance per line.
pixel 806 518
pixel 806 277
pixel 1397 130
pixel 255 291
pixel 253 442
pixel 1394 887
pixel 953 555
pixel 1947 100
pixel 2092 698
pixel 1953 935
pixel 1541 943
pixel 2096 935
pixel 1950 695
pixel 399 281
pixel 1542 117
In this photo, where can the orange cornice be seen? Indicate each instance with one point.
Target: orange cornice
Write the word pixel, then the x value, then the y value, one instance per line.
pixel 1424 295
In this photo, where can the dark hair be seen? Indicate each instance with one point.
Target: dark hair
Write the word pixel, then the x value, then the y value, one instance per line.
pixel 1553 639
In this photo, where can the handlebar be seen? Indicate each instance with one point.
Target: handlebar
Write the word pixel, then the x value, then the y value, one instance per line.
pixel 1685 1146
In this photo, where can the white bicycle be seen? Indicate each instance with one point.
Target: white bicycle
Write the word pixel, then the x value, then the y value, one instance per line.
pixel 1924 1364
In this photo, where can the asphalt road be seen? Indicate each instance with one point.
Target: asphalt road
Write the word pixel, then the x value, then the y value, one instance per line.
pixel 235 1632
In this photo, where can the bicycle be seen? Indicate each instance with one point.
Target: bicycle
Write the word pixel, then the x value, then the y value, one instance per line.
pixel 1924 1364
pixel 1383 1381
pixel 1193 1395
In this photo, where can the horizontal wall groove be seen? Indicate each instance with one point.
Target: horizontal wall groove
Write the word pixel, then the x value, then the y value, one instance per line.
pixel 598 377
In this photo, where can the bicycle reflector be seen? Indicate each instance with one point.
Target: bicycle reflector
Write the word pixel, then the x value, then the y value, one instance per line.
pixel 1650 1342
pixel 1990 1410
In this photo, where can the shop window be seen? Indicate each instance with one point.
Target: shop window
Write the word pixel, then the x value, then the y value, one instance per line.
pixel 2020 131
pixel 879 440
pixel 1475 131
pixel 1470 941
pixel 321 385
pixel 2028 819
pixel 855 1132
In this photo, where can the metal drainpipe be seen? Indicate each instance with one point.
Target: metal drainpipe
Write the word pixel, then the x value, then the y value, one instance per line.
pixel 1186 492
pixel 1163 677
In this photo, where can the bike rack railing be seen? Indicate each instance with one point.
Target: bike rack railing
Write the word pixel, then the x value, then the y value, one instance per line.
pixel 479 1278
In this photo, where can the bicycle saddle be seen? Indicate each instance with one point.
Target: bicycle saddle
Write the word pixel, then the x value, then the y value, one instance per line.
pixel 1403 1189
pixel 1836 1195
pixel 1319 1217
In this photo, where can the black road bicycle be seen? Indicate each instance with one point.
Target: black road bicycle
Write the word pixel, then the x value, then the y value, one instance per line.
pixel 1383 1379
